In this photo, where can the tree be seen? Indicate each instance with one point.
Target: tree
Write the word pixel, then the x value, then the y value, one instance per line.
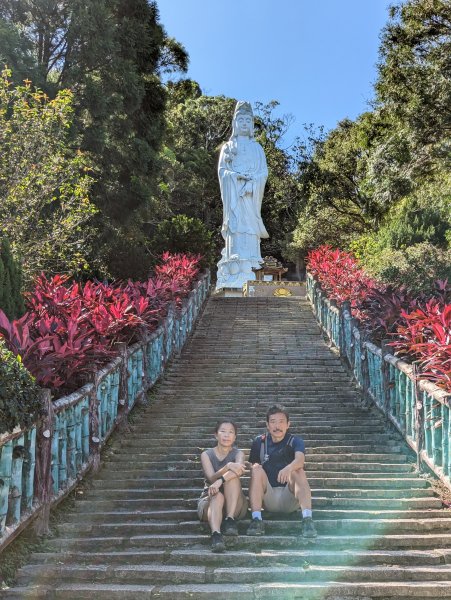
pixel 380 184
pixel 44 184
pixel 11 300
pixel 282 193
pixel 184 235
pixel 414 92
pixel 111 53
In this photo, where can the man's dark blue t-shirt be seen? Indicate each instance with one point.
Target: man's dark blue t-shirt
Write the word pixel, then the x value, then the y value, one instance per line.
pixel 279 454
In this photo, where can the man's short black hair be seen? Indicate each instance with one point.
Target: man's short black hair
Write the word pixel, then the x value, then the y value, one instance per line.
pixel 277 408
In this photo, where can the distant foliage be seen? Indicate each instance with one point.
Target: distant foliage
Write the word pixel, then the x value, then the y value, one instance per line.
pixel 416 267
pixel 45 208
pixel 183 234
pixel 19 394
pixel 380 185
pixel 11 300
pixel 112 55
pixel 72 329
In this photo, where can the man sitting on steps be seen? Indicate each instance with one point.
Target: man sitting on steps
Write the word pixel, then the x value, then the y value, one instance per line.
pixel 278 480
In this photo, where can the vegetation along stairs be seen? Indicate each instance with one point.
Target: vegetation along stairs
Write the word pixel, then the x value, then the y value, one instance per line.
pixel 133 533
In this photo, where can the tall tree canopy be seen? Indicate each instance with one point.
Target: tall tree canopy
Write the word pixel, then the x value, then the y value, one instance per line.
pixel 380 183
pixel 111 54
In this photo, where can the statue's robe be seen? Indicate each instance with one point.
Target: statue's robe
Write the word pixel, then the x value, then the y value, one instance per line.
pixel 242 201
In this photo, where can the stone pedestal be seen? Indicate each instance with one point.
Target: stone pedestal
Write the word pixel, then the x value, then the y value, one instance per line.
pixel 229 293
pixel 275 289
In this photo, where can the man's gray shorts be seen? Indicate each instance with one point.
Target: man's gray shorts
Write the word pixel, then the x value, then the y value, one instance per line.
pixel 280 499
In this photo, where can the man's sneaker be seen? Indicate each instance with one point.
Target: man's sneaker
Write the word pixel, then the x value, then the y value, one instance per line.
pixel 217 542
pixel 229 526
pixel 308 528
pixel 256 527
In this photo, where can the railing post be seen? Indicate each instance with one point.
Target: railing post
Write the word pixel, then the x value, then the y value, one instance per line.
pixel 365 368
pixel 344 309
pixel 386 383
pixel 94 426
pixel 123 408
pixel 43 470
pixel 419 414
pixel 353 323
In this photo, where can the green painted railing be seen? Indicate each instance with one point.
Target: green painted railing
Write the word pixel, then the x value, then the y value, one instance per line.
pixel 40 466
pixel 419 409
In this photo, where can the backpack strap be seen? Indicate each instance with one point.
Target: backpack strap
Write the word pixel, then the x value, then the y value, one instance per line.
pixel 263 448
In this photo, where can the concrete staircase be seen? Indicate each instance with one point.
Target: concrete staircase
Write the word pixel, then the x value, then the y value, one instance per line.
pixel 134 534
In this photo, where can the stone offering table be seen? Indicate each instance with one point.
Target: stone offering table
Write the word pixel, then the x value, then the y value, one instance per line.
pixel 276 273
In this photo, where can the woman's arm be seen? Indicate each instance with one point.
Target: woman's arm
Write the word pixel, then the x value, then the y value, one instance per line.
pixel 228 471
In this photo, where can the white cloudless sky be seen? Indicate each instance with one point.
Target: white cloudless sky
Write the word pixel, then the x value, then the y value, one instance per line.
pixel 316 57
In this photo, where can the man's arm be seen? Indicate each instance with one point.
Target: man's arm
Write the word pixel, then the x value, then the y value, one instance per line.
pixel 294 465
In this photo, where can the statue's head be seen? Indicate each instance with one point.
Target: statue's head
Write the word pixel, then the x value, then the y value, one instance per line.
pixel 243 120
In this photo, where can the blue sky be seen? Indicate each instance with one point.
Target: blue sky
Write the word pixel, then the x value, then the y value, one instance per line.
pixel 316 57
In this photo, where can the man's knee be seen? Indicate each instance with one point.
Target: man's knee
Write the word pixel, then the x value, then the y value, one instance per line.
pixel 258 474
pixel 298 479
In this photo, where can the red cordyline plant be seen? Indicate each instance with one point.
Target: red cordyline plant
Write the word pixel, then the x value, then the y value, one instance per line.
pixel 420 325
pixel 179 271
pixel 426 338
pixel 71 329
pixel 340 276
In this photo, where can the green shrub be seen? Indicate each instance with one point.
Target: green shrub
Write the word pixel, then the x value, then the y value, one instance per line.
pixel 19 394
pixel 416 267
pixel 186 235
pixel 414 223
pixel 11 301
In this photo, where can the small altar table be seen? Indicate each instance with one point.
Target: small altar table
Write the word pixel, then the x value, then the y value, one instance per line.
pixel 276 273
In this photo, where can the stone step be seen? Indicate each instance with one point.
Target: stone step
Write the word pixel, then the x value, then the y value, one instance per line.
pixel 304 407
pixel 431 541
pixel 267 557
pixel 320 591
pixel 152 473
pixel 187 468
pixel 160 573
pixel 170 493
pixel 193 428
pixel 319 457
pixel 343 483
pixel 340 442
pixel 124 515
pixel 279 527
pixel 100 503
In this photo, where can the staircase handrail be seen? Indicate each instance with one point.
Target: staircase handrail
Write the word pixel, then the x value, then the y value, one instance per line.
pixel 419 409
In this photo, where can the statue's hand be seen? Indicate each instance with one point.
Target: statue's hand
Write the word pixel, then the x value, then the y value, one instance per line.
pixel 248 187
pixel 243 177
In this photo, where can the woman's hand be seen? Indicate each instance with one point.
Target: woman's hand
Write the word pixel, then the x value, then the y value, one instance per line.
pixel 237 468
pixel 214 487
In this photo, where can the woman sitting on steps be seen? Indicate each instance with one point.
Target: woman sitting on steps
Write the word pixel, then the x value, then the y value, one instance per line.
pixel 222 497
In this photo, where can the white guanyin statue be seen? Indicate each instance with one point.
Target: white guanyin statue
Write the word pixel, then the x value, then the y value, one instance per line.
pixel 242 176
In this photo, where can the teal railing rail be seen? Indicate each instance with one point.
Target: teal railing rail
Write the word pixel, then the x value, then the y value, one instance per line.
pixel 417 408
pixel 40 466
